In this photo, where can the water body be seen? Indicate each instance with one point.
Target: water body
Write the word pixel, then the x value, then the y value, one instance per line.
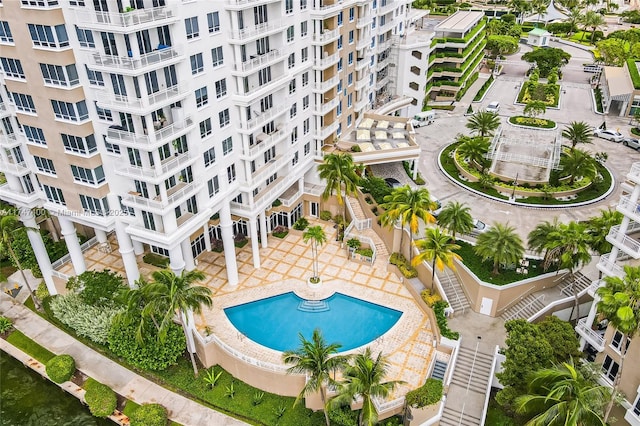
pixel 28 399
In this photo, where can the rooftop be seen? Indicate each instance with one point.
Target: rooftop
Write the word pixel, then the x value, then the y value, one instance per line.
pixel 539 32
pixel 460 21
pixel 618 80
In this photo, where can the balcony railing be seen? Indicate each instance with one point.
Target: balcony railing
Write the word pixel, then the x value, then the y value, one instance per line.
pixel 362 64
pixel 634 173
pixel 387 7
pixel 270 167
pixel 15 168
pixel 9 141
pixel 125 63
pixel 326 131
pixel 264 142
pixel 327 106
pixel 323 10
pixel 363 44
pixel 629 208
pixel 594 287
pixel 156 204
pixel 156 16
pixel 323 86
pixel 361 104
pixel 609 267
pixel 254 90
pixel 258 30
pixel 363 22
pixel 623 242
pixel 264 117
pixel 161 135
pixel 326 62
pixel 326 36
pixel 145 104
pixel 19 198
pixel 166 166
pixel 258 61
pixel 593 337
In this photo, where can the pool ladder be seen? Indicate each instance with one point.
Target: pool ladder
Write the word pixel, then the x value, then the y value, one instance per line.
pixel 313 306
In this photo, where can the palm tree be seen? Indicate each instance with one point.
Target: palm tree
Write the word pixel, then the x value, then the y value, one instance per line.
pixel 519 7
pixel 540 7
pixel 317 237
pixel 578 163
pixel 364 377
pixel 10 225
pixel 577 132
pixel 574 18
pixel 620 304
pixel 598 228
pixel 171 293
pixel 135 300
pixel 317 360
pixel 474 149
pixel 594 21
pixel 560 396
pixel 456 217
pixel 483 123
pixel 501 244
pixel 339 171
pixel 408 206
pixel 538 239
pixel 534 108
pixel 438 248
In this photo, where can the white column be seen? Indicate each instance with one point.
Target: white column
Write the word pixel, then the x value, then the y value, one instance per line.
pixel 207 240
pixel 138 248
pixel 255 248
pixel 263 230
pixel 101 236
pixel 126 252
pixel 187 255
pixel 68 230
pixel 29 220
pixel 176 260
pixel 415 169
pixel 226 228
pixel 189 323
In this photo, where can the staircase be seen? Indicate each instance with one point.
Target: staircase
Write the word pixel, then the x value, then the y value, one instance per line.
pixel 575 285
pixel 452 288
pixel 439 370
pixel 525 308
pixel 453 417
pixel 382 254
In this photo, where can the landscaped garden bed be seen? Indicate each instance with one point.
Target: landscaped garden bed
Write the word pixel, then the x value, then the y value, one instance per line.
pixel 540 123
pixel 547 93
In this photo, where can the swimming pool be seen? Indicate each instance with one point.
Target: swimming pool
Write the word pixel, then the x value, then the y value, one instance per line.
pixel 275 322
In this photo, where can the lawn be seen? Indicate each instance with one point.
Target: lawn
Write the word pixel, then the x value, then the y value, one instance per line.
pixel 28 346
pixel 549 94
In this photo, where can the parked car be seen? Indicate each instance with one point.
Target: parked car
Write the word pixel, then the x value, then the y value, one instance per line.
pixel 392 182
pixel 423 118
pixel 493 107
pixel 631 143
pixel 479 227
pixel 610 135
pixel 438 208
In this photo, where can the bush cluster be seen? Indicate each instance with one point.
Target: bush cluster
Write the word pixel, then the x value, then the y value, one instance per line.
pixel 89 321
pixel 100 398
pixel 403 265
pixel 325 215
pixel 60 368
pixel 430 299
pixel 156 260
pixel 5 325
pixel 441 318
pixel 532 122
pixel 149 415
pixel 42 291
pixel 280 231
pixel 427 394
pixel 97 288
pixel 301 224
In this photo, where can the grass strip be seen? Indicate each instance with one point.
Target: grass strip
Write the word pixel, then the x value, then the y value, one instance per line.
pixel 28 346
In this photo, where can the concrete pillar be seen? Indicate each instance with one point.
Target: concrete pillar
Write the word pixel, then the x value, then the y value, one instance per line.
pixel 187 255
pixel 226 228
pixel 207 240
pixel 126 252
pixel 415 169
pixel 255 248
pixel 29 220
pixel 263 230
pixel 176 260
pixel 73 245
pixel 189 323
pixel 101 235
pixel 138 248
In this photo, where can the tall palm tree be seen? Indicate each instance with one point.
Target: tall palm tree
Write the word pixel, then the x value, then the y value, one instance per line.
pixel 578 163
pixel 620 304
pixel 577 132
pixel 171 293
pixel 540 7
pixel 561 396
pixel 317 236
pixel 500 244
pixel 408 206
pixel 520 7
pixel 364 377
pixel 438 248
pixel 574 18
pixel 538 239
pixel 10 225
pixel 483 123
pixel 598 228
pixel 317 360
pixel 594 21
pixel 135 300
pixel 339 171
pixel 474 149
pixel 456 217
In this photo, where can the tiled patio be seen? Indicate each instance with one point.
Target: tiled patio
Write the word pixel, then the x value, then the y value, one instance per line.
pixel 285 266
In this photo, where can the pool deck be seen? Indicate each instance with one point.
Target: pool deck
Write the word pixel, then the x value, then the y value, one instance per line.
pixel 285 266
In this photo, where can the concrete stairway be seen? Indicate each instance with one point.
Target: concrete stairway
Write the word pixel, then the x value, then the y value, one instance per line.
pixel 474 375
pixel 439 370
pixel 577 284
pixel 453 290
pixel 453 417
pixel 382 254
pixel 525 308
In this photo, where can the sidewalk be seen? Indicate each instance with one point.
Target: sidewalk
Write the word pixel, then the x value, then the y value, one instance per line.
pixel 467 99
pixel 101 368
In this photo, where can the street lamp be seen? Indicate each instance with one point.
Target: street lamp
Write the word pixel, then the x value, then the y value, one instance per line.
pixel 515 183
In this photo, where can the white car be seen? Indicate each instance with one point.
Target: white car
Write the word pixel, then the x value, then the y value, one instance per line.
pixel 478 228
pixel 493 107
pixel 610 135
pixel 631 143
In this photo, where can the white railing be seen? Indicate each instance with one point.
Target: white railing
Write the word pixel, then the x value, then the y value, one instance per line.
pixel 326 35
pixel 627 205
pixel 623 241
pixel 362 83
pixel 288 202
pixel 10 140
pixel 361 64
pixel 327 9
pixel 634 173
pixel 265 116
pixel 126 19
pixel 7 166
pixel 592 336
pixel 327 84
pixel 257 30
pixel 160 135
pixel 361 104
pixel 609 267
pixel 267 142
pixel 364 43
pixel 265 86
pixel 149 101
pixel 60 275
pixel 189 187
pixel 387 7
pixel 67 257
pixel 152 172
pixel 385 406
pixel 327 106
pixel 326 131
pixel 172 129
pixel 271 167
pixel 259 60
pixel 134 63
pixel 363 22
pixel 327 61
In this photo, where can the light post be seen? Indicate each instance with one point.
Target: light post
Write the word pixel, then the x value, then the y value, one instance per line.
pixel 515 183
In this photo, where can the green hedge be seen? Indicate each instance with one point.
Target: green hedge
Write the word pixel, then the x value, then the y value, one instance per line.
pixel 100 398
pixel 428 394
pixel 540 123
pixel 149 415
pixel 403 265
pixel 483 89
pixel 156 260
pixel 441 318
pixel 633 72
pixel 419 180
pixel 635 131
pixel 467 85
pixel 597 93
pixel 60 368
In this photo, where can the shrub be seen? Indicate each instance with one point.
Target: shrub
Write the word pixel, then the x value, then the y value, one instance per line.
pixel 60 368
pixel 532 122
pixel 343 416
pixel 149 415
pixel 280 231
pixel 403 265
pixel 240 240
pixel 367 252
pixel 89 321
pixel 5 325
pixel 97 288
pixel 441 318
pixel 276 203
pixel 428 394
pixel 42 291
pixel 156 260
pixel 301 224
pixel 100 398
pixel 325 215
pixel 375 186
pixel 356 148
pixel 430 299
pixel 354 243
pixel 216 245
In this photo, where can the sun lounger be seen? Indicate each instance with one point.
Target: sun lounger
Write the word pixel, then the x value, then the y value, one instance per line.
pixel 381 134
pixel 363 135
pixel 382 124
pixel 399 126
pixel 398 135
pixel 402 145
pixel 366 123
pixel 385 145
pixel 366 147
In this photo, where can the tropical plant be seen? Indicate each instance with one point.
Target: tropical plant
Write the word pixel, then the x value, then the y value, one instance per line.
pixel 364 378
pixel 5 325
pixel 501 245
pixel 547 59
pixel 538 239
pixel 171 293
pixel 474 149
pixel 484 123
pixel 93 322
pixel 97 288
pixel 149 415
pixel 598 227
pixel 438 248
pixel 620 304
pixel 519 8
pixel 456 218
pixel 578 132
pixel 560 396
pixel 339 172
pixel 427 394
pixel 317 236
pixel 535 108
pixel 574 18
pixel 578 163
pixel 562 337
pixel 593 20
pixel 408 206
pixel 211 378
pixel 317 359
pixel 539 7
pixel 100 398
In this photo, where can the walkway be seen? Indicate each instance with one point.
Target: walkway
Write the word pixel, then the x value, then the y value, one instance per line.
pixel 101 368
pixel 463 104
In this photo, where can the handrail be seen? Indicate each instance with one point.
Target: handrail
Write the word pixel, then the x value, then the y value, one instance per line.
pixel 535 299
pixel 597 338
pixel 488 391
pixel 451 277
pixel 517 299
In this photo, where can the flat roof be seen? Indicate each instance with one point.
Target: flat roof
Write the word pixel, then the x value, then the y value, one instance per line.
pixel 539 31
pixel 618 80
pixel 460 21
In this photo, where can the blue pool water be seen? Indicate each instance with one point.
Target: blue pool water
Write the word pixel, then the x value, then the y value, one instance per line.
pixel 275 322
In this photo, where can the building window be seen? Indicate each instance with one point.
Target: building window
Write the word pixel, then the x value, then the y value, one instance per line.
pixel 78 144
pixel 45 165
pixel 305 78
pixel 340 17
pixel 339 88
pixel 34 135
pixel 616 342
pixel 352 14
pixel 288 6
pixel 112 148
pixel 23 102
pixel 349 120
pixel 636 407
pixel 95 77
pixel 205 128
pixel 202 97
pixel 290 33
pixel 340 42
pixel 47 36
pixel 227 146
pixel 95 206
pixel 223 117
pixel 85 37
pixel 54 194
pixel 150 223
pixel 339 110
pixel 340 65
pixel 209 157
pixel 292 87
pixel 59 75
pixel 191 26
pixel 12 68
pixel 304 29
pixel 221 88
pixel 293 111
pixel 214 186
pixel 291 61
pixel 349 100
pixel 306 126
pixel 610 368
pixel 5 32
pixel 303 4
pixel 197 64
pixel 264 76
pixel 231 173
pixel 305 54
pixel 69 111
pixel 350 79
pixel 294 161
pixel 213 19
pixel 305 102
pixel 294 135
pixel 216 56
pixel 104 114
pixel 84 175
pixel 350 58
pixel 307 148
